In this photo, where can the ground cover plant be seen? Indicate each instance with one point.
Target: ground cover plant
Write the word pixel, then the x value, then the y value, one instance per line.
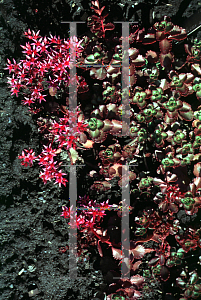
pixel 162 145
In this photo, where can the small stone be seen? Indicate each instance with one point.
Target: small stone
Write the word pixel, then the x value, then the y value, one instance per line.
pixel 20 272
pixel 31 268
pixel 33 292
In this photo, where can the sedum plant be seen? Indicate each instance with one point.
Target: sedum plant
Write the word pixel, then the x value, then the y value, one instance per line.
pixel 162 142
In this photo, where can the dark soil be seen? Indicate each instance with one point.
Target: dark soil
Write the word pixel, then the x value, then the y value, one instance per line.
pixel 31 229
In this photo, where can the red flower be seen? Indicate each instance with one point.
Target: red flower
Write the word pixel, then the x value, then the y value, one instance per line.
pixel 28 101
pixel 27 159
pixel 66 212
pixel 60 179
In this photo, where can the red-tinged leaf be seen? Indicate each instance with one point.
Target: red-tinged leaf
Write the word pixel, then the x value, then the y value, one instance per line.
pixel 163 206
pixel 187 116
pixel 102 137
pixel 176 161
pixel 149 39
pixel 89 144
pixel 197 170
pixel 158 155
pixel 99 249
pixel 197 157
pixel 184 90
pixel 140 251
pixel 92 72
pixel 133 53
pixel 117 127
pixel 186 107
pixel 101 74
pixel 95 133
pixel 154 261
pixel 152 56
pixel 197 68
pixel 160 35
pixel 139 61
pixel 164 84
pixel 140 35
pixel 172 114
pixel 112 70
pixel 109 26
pixel 117 253
pixel 181 36
pixel 173 207
pixel 101 186
pixel 136 295
pixel 95 3
pixel 197 182
pixel 180 282
pixel 187 49
pixel 168 120
pixel 99 11
pixel 165 273
pixel 166 59
pixel 175 30
pixel 107 125
pixel 165 46
pixel 158 181
pixel 90 59
pixel 171 177
pixel 196 123
pixel 137 280
pixel 136 265
pixel 129 291
pixel 163 188
pixel 197 131
pixel 98 231
pixel 189 78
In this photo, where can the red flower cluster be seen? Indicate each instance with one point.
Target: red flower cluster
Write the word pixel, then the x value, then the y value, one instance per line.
pixel 46 159
pixel 47 59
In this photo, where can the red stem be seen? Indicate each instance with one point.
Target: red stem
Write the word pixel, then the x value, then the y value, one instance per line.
pixel 103 28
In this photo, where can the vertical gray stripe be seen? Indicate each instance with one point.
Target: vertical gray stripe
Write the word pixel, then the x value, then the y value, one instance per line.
pixel 125 64
pixel 73 174
pixel 73 228
pixel 125 230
